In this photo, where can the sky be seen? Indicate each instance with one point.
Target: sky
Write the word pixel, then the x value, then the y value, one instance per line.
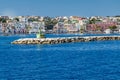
pixel 60 7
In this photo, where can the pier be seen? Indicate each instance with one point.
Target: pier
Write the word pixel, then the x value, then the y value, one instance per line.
pixel 63 40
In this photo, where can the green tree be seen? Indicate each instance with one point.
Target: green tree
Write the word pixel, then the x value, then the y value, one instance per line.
pixel 112 27
pixel 49 22
pixel 3 20
pixel 33 19
pixel 93 21
pixel 54 22
pixel 17 19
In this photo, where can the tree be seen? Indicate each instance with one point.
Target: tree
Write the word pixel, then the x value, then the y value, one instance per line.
pixel 32 19
pixel 81 30
pixel 3 20
pixel 118 20
pixel 69 21
pixel 17 19
pixel 54 22
pixel 49 22
pixel 92 21
pixel 0 19
pixel 112 27
pixel 117 16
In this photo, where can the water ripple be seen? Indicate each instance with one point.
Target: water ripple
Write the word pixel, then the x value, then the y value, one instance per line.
pixel 97 60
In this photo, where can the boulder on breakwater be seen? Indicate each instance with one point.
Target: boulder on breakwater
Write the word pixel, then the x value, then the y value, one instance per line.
pixel 63 40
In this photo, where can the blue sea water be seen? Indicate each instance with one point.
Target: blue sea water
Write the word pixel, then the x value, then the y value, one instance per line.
pixel 98 60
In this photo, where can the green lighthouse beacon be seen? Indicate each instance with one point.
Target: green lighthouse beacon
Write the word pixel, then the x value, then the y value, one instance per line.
pixel 40 34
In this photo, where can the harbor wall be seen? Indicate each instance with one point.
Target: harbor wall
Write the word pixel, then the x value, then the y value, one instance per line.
pixel 63 40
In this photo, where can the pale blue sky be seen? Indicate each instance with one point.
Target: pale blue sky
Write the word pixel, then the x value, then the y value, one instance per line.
pixel 60 7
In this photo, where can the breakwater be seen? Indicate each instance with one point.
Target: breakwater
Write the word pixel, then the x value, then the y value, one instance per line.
pixel 63 40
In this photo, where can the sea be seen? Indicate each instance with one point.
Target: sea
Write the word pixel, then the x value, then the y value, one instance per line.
pixel 97 60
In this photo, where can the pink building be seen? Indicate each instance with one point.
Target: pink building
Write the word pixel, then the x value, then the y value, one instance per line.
pixel 100 26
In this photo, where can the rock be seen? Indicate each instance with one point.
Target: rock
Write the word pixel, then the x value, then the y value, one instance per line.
pixel 63 40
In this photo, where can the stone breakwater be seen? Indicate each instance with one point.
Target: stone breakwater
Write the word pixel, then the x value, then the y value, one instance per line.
pixel 63 40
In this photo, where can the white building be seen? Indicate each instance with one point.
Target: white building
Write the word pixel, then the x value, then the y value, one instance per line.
pixel 36 26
